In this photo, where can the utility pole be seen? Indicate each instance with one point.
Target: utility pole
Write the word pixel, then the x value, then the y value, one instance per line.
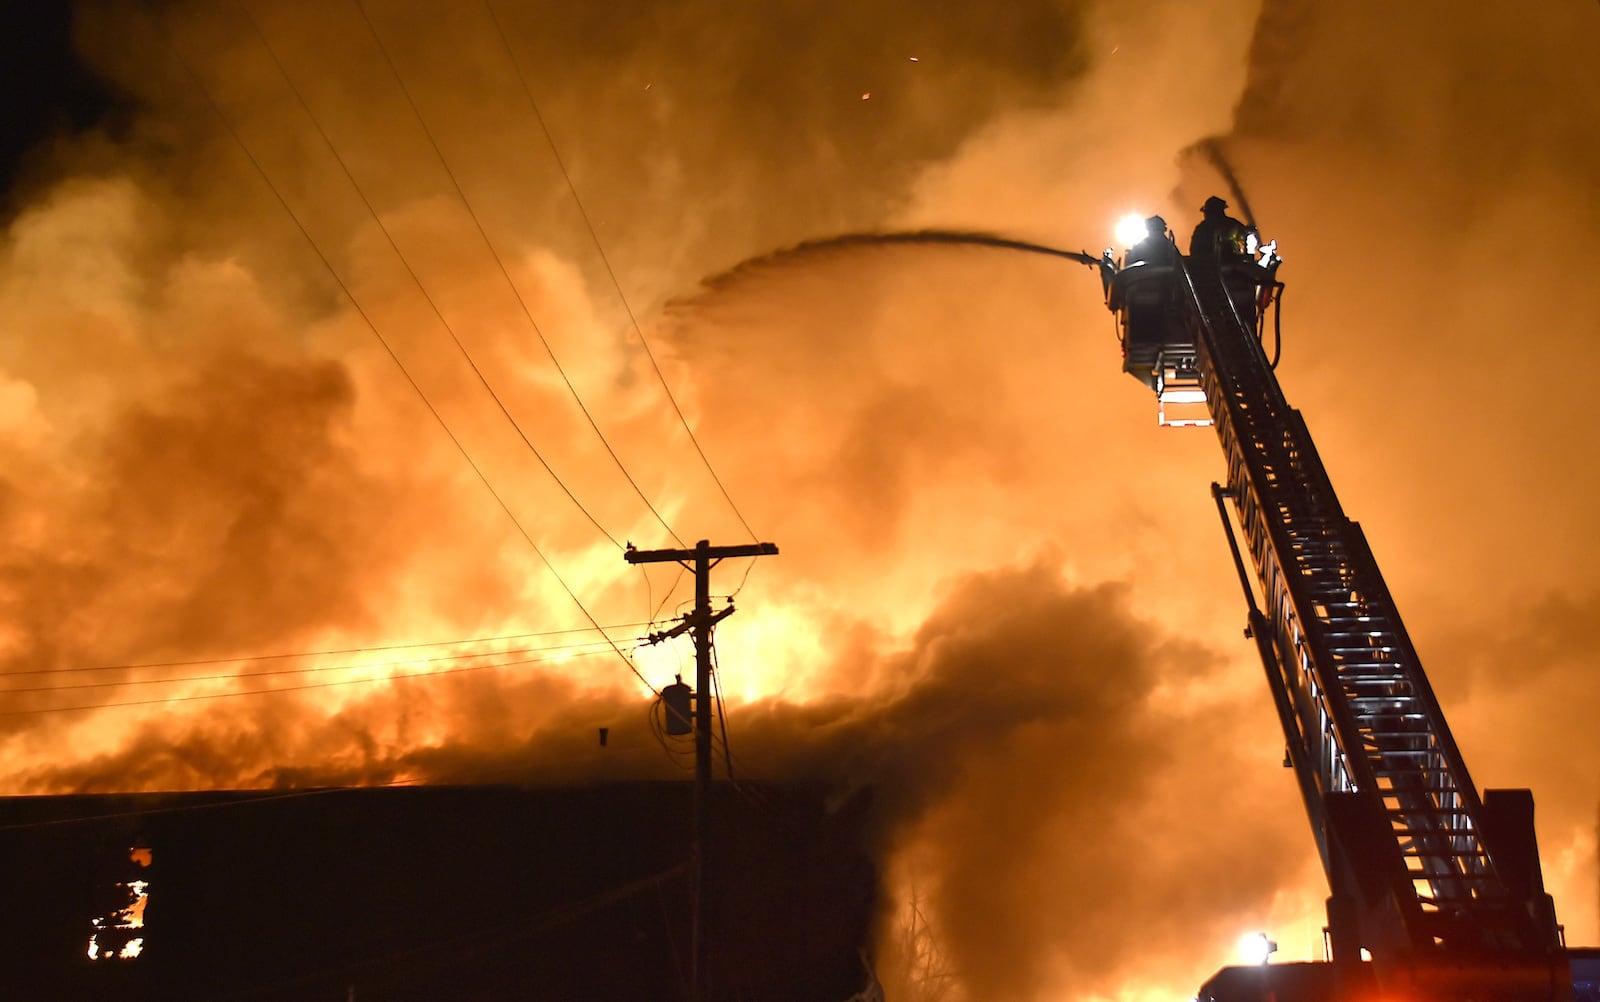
pixel 700 560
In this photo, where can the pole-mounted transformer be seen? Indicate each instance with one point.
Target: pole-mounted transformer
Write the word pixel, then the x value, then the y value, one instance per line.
pixel 676 700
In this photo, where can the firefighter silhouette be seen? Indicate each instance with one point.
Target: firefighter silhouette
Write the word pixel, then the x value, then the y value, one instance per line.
pixel 1219 235
pixel 1154 248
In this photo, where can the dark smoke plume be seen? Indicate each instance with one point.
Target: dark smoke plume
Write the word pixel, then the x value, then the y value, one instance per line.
pixel 1212 151
pixel 1017 752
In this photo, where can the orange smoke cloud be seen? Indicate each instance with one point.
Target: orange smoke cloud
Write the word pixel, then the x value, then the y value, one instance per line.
pixel 1001 603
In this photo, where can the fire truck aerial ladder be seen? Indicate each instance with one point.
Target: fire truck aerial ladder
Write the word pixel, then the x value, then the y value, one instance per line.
pixel 1435 892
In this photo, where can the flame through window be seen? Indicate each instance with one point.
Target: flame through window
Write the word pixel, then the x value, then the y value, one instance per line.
pixel 119 928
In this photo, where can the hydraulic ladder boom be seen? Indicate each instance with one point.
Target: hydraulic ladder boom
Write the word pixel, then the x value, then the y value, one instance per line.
pixel 1441 888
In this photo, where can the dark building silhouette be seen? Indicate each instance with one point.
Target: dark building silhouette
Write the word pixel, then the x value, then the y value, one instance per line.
pixel 430 893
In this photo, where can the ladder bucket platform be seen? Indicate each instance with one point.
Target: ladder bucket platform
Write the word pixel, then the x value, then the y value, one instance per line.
pixel 1180 396
pixel 1157 348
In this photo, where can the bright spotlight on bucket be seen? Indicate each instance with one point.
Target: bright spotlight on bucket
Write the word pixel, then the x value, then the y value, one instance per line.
pixel 1256 948
pixel 1130 229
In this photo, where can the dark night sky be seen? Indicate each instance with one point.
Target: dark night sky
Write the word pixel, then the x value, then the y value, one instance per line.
pixel 46 88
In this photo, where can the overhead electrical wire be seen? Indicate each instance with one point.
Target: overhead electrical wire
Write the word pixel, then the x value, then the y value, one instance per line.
pixel 722 713
pixel 684 758
pixel 658 727
pixel 605 259
pixel 417 280
pixel 588 647
pixel 499 262
pixel 750 565
pixel 375 649
pixel 655 613
pixel 680 758
pixel 751 794
pixel 510 283
pixel 367 319
pixel 231 693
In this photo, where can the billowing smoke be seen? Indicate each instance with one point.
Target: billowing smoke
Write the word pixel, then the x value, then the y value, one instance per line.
pixel 238 321
pixel 1436 195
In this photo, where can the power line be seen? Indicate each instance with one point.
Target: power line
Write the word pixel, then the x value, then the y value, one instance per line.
pixel 722 713
pixel 333 272
pixel 655 613
pixel 744 580
pixel 594 235
pixel 417 280
pixel 307 670
pixel 376 649
pixel 506 274
pixel 658 731
pixel 287 688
